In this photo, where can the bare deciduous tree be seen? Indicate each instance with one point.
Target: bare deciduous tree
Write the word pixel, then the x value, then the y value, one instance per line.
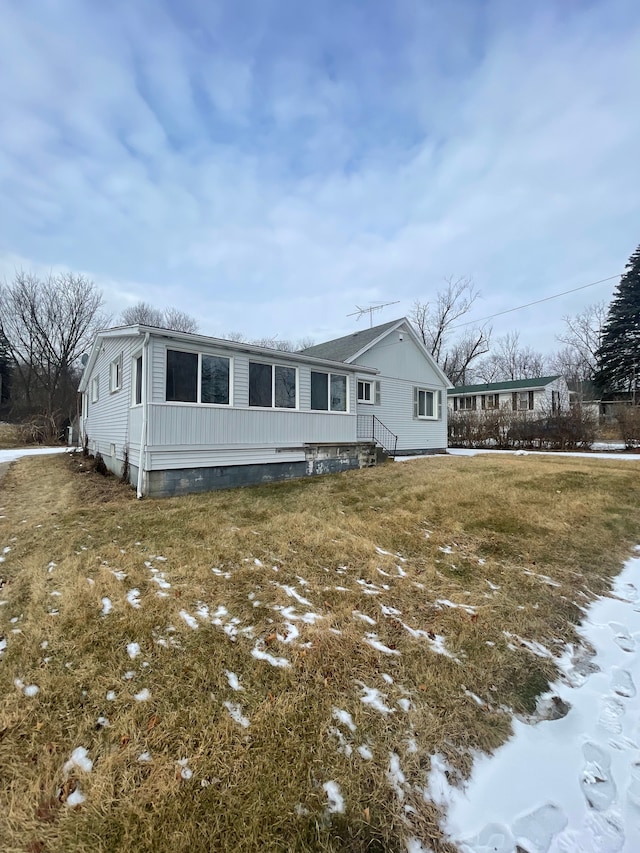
pixel 510 361
pixel 47 324
pixel 170 318
pixel 435 323
pixel 582 336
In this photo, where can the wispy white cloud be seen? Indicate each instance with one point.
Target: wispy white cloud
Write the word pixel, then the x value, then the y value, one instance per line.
pixel 267 168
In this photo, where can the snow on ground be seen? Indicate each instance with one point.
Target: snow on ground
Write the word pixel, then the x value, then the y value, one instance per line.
pixel 463 451
pixel 627 457
pixel 568 785
pixel 17 453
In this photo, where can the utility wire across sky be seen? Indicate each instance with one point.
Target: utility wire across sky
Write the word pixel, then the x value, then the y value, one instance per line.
pixel 537 302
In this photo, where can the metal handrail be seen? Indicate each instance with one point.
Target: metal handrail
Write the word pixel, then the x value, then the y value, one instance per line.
pixel 371 428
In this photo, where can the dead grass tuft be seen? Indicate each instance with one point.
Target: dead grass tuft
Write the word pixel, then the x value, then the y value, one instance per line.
pixel 409 597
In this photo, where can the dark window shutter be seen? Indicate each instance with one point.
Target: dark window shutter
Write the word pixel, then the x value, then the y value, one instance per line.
pixel 514 401
pixel 415 402
pixel 473 402
pixel 439 405
pixel 530 399
pixel 378 398
pixel 483 401
pixel 455 404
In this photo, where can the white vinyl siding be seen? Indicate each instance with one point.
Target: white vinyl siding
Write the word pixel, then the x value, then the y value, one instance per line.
pixel 106 422
pixel 404 367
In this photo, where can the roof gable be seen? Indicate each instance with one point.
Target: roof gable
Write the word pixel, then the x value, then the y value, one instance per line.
pixel 510 385
pixel 349 347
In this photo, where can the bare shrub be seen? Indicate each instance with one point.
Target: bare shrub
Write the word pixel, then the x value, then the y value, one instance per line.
pixel 628 418
pixel 505 429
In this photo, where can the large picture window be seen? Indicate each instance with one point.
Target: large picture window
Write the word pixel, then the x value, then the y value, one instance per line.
pixel 328 392
pixel 197 378
pixel 272 385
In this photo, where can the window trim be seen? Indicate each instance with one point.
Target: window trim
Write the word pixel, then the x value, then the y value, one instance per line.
pixel 370 383
pixel 198 402
pixel 115 385
pixel 273 365
pixel 95 389
pixel 329 410
pixel 437 403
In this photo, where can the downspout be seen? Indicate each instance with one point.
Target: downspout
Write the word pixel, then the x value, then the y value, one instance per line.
pixel 143 432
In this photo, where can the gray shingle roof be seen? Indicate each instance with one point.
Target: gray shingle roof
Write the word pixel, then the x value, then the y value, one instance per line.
pixel 340 349
pixel 511 385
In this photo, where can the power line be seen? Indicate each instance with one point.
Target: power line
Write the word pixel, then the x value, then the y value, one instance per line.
pixel 537 302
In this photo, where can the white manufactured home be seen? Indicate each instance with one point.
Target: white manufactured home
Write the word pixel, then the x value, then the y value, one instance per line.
pixel 538 397
pixel 183 412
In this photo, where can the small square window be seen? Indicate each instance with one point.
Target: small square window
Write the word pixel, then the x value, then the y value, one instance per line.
pixel 365 391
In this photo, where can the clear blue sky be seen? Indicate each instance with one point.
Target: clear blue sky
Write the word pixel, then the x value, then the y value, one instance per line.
pixel 266 165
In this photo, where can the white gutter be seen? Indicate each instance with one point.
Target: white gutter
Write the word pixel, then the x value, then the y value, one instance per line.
pixel 143 431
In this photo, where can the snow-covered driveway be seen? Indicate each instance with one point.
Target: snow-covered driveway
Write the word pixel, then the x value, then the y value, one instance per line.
pixel 570 785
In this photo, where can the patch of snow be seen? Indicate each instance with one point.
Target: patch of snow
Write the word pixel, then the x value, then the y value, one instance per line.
pixel 133 597
pixel 102 723
pixel 191 621
pixel 375 643
pixel 365 752
pixel 345 718
pixel 259 654
pixel 120 576
pixel 220 573
pixel 364 617
pixel 202 610
pixel 133 650
pixel 292 593
pixel 144 757
pixel 235 712
pixel 375 699
pixel 3 644
pixel 31 690
pixel 335 798
pixel 234 682
pixel 444 602
pixel 395 775
pixel 111 695
pixel 404 705
pixel 567 785
pixel 345 748
pixel 79 760
pixel 390 611
pixel 387 678
pixel 75 798
pixel 291 635
pixel 143 696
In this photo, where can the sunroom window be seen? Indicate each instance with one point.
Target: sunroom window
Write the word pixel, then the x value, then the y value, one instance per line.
pixel 197 378
pixel 272 386
pixel 328 392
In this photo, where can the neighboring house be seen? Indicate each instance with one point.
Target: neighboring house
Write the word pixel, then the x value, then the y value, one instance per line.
pixel 403 409
pixel 544 395
pixel 186 413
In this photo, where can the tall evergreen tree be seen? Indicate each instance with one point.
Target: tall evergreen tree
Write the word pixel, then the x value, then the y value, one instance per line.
pixel 618 357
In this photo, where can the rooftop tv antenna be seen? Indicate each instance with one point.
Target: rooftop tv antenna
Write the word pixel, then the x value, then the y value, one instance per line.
pixel 373 306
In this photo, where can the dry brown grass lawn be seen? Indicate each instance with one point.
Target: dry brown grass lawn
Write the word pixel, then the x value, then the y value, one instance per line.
pixel 245 567
pixel 10 436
